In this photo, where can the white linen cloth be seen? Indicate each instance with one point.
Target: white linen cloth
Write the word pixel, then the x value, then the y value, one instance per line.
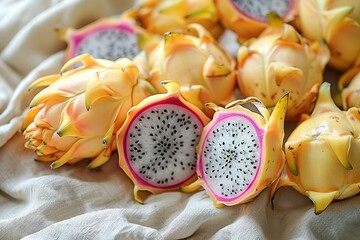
pixel 74 202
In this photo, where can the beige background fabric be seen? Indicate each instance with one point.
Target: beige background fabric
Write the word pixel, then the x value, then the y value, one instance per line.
pixel 74 202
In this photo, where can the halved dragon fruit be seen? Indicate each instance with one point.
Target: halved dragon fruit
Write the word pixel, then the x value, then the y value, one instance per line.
pixel 240 151
pixel 157 142
pixel 248 18
pixel 106 38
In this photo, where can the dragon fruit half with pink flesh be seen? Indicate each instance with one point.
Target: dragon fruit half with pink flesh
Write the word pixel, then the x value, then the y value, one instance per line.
pixel 240 151
pixel 106 38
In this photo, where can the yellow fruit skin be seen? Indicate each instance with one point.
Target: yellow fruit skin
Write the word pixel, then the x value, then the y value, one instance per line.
pixel 196 61
pixel 172 96
pixel 161 16
pixel 281 61
pixel 337 22
pixel 273 158
pixel 355 13
pixel 243 25
pixel 349 85
pixel 78 112
pixel 322 153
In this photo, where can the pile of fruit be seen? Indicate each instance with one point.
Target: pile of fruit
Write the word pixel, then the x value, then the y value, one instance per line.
pixel 155 85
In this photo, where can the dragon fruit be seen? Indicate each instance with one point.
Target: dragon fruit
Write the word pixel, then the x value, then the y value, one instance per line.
pixel 161 16
pixel 240 151
pixel 349 85
pixel 205 70
pixel 281 61
pixel 157 142
pixel 322 153
pixel 248 18
pixel 331 21
pixel 106 38
pixel 78 113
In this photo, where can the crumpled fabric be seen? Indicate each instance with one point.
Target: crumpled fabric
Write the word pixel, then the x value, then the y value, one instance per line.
pixel 74 202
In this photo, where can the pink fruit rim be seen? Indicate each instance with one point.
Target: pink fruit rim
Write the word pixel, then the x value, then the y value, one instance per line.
pixel 260 133
pixel 77 38
pixel 138 178
pixel 263 20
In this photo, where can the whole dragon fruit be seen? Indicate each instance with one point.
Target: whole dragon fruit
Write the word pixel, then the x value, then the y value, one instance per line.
pixel 322 153
pixel 157 142
pixel 161 16
pixel 247 18
pixel 349 85
pixel 106 38
pixel 78 113
pixel 281 61
pixel 333 22
pixel 240 152
pixel 204 69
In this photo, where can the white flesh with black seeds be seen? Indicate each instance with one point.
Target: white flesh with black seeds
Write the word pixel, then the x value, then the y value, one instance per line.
pixel 110 44
pixel 231 156
pixel 258 9
pixel 161 145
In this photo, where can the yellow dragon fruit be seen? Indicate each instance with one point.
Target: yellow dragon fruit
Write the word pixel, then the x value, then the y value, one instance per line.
pixel 349 85
pixel 248 18
pixel 106 38
pixel 161 16
pixel 333 22
pixel 281 61
pixel 240 151
pixel 322 153
pixel 204 69
pixel 78 113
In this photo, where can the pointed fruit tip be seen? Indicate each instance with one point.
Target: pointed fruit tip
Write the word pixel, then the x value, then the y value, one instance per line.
pixel 171 86
pixel 137 196
pixel 321 200
pixel 212 106
pixel 61 32
pixel 291 151
pixel 164 82
pixel 192 187
pixel 324 102
pixel 55 165
pixel 274 19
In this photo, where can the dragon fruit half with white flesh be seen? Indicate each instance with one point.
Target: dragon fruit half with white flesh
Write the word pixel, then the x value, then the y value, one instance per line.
pixel 157 143
pixel 106 38
pixel 247 18
pixel 240 151
pixel 323 153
